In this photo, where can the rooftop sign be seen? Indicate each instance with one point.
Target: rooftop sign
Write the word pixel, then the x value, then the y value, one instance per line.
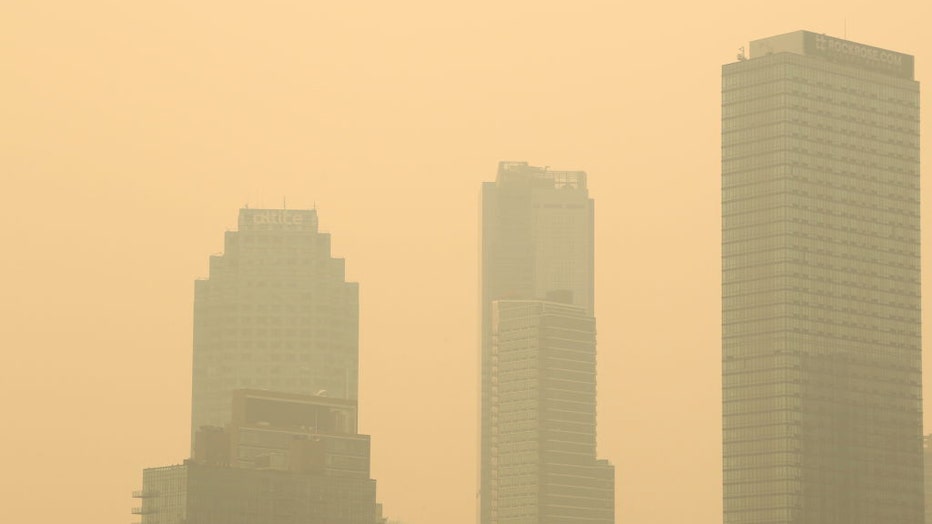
pixel 859 55
pixel 836 50
pixel 277 220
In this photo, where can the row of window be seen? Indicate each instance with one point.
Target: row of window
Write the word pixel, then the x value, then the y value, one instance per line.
pixel 323 333
pixel 734 490
pixel 815 268
pixel 765 454
pixel 887 339
pixel 276 308
pixel 886 144
pixel 814 230
pixel 758 474
pixel 852 259
pixel 887 127
pixel 806 152
pixel 790 93
pixel 796 290
pixel 746 308
pixel 802 70
pixel 759 418
pixel 768 158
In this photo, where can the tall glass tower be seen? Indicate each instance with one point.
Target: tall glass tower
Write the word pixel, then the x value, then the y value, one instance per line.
pixel 822 415
pixel 276 314
pixel 544 468
pixel 536 240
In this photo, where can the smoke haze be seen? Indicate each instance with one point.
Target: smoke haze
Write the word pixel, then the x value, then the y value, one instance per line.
pixel 132 133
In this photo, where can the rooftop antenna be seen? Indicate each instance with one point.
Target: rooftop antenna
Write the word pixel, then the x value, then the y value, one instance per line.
pixel 741 56
pixel 283 203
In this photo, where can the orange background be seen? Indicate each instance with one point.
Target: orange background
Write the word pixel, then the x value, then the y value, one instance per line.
pixel 131 132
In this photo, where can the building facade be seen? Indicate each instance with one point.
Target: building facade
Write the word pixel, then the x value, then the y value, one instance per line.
pixel 536 240
pixel 195 493
pixel 284 458
pixel 274 412
pixel 544 468
pixel 275 313
pixel 927 467
pixel 822 416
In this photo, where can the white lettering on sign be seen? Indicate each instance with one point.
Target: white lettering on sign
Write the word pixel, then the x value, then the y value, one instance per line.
pixel 278 217
pixel 844 47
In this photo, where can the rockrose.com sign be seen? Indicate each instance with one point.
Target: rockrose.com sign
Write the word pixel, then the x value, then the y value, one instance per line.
pixel 843 51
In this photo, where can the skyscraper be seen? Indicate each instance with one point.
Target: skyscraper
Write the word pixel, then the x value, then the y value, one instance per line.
pixel 275 313
pixel 274 412
pixel 543 432
pixel 820 284
pixel 536 240
pixel 927 467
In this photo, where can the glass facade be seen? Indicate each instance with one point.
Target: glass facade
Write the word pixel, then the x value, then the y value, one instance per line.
pixel 927 466
pixel 543 418
pixel 536 239
pixel 822 417
pixel 164 495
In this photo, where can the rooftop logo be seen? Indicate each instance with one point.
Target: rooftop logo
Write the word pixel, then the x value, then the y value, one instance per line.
pixel 863 55
pixel 276 219
pixel 824 43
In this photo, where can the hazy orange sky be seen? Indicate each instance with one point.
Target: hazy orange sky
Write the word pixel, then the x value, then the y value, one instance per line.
pixel 131 133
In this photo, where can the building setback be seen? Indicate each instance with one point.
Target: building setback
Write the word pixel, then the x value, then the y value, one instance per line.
pixel 275 313
pixel 536 242
pixel 274 412
pixel 543 454
pixel 822 415
pixel 927 466
pixel 289 459
pixel 194 493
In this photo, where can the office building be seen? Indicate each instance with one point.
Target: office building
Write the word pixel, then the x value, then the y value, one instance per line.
pixel 543 454
pixel 822 415
pixel 289 459
pixel 536 241
pixel 274 412
pixel 927 467
pixel 275 313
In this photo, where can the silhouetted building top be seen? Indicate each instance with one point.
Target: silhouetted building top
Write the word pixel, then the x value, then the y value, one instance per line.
pixel 276 313
pixel 537 235
pixel 523 174
pixel 821 325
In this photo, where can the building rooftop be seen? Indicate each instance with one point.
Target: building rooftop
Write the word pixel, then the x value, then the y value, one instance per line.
pixel 836 50
pixel 510 171
pixel 277 219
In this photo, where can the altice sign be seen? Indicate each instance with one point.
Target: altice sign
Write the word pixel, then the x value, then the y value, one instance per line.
pixel 284 219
